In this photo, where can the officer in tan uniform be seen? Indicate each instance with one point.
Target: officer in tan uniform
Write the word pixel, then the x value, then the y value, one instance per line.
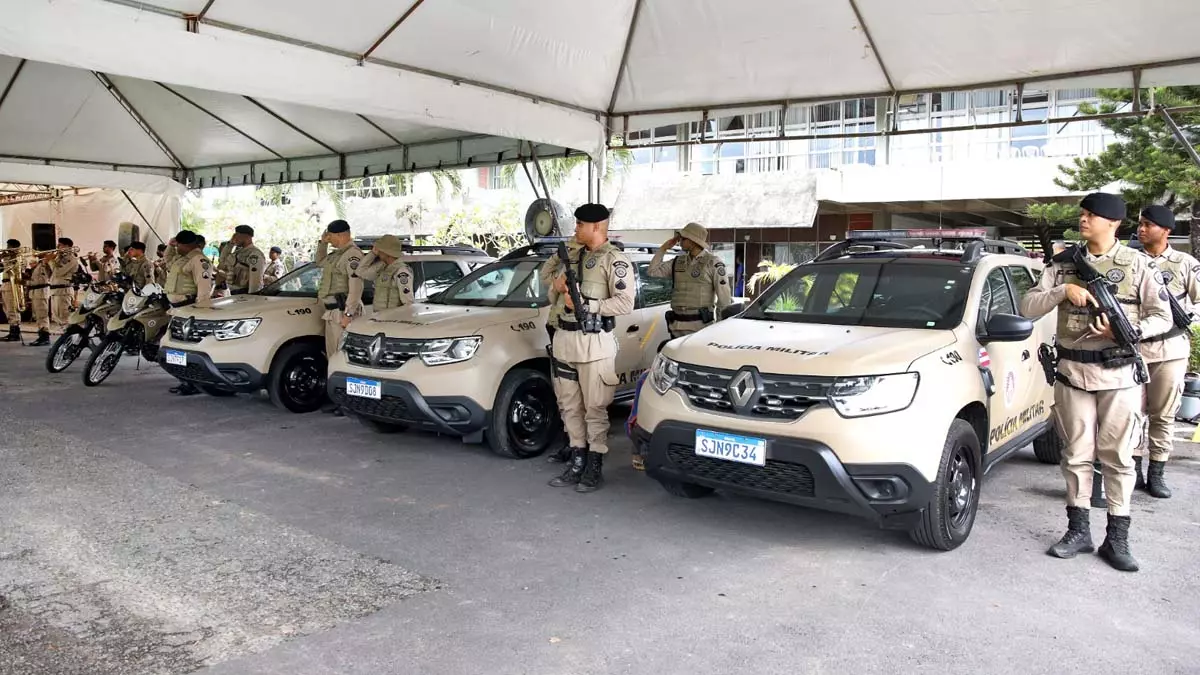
pixel 160 263
pixel 10 268
pixel 275 267
pixel 63 269
pixel 340 291
pixel 1097 395
pixel 136 266
pixel 39 298
pixel 585 353
pixel 699 281
pixel 550 270
pixel 392 276
pixel 1167 354
pixel 107 266
pixel 245 264
pixel 189 280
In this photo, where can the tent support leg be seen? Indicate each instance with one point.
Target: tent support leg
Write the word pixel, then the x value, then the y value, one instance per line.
pixel 1179 136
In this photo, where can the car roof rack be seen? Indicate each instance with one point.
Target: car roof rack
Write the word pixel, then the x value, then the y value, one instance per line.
pixel 976 242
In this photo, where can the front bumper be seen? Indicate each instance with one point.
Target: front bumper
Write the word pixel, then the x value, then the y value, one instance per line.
pixel 797 471
pixel 402 403
pixel 201 369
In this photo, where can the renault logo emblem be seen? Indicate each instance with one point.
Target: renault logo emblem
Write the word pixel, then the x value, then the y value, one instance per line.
pixel 742 388
pixel 375 349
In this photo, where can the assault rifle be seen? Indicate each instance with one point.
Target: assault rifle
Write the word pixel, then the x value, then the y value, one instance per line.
pixel 588 322
pixel 1179 316
pixel 1125 334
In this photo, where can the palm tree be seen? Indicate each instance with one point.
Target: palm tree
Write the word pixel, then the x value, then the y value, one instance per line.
pixel 443 177
pixel 769 274
pixel 557 170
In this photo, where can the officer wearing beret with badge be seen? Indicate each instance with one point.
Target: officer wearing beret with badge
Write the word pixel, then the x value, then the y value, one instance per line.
pixel 1097 392
pixel 699 281
pixel 340 291
pixel 1166 354
pixel 584 352
pixel 189 278
pixel 392 276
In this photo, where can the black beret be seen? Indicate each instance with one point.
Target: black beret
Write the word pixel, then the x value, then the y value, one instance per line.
pixel 13 243
pixel 592 213
pixel 186 237
pixel 138 245
pixel 276 249
pixel 66 241
pixel 1105 205
pixel 338 226
pixel 244 229
pixel 1160 216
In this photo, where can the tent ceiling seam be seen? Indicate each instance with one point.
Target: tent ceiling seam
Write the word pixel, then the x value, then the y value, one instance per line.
pixel 616 88
pixel 222 121
pixel 380 129
pixel 127 105
pixel 388 33
pixel 12 80
pixel 871 43
pixel 291 126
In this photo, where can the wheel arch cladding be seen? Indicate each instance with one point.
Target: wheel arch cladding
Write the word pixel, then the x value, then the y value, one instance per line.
pixel 976 415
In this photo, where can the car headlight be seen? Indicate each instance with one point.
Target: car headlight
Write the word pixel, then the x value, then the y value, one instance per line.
pixel 132 304
pixel 663 374
pixel 873 394
pixel 236 328
pixel 449 350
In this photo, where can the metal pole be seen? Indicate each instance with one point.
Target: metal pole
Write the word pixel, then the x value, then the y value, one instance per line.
pixel 1178 133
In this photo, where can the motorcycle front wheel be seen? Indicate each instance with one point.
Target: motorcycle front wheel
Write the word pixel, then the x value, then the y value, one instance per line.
pixel 103 361
pixel 66 349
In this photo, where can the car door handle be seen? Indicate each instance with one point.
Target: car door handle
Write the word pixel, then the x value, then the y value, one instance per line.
pixel 1025 355
pixel 633 329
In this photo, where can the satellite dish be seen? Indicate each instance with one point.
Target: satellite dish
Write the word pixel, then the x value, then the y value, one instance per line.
pixel 544 218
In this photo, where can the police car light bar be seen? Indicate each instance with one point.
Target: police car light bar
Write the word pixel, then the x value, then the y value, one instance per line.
pixel 931 233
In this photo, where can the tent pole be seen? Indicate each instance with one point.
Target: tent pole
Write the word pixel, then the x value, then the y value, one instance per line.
pixel 1179 136
pixel 143 216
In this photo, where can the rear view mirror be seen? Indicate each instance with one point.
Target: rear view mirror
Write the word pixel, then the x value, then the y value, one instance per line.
pixel 733 310
pixel 1007 328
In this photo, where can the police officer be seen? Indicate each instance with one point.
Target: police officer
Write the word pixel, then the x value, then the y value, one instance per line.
pixel 160 263
pixel 1097 394
pixel 107 266
pixel 1167 354
pixel 246 264
pixel 136 266
pixel 699 280
pixel 340 291
pixel 39 298
pixel 585 353
pixel 275 267
pixel 189 279
pixel 10 268
pixel 62 274
pixel 392 276
pixel 548 273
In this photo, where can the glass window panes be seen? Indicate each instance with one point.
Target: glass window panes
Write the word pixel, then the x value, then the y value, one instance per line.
pixel 434 277
pixel 652 290
pixel 1022 280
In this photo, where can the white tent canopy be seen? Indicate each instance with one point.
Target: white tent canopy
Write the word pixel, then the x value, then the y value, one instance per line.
pixel 559 72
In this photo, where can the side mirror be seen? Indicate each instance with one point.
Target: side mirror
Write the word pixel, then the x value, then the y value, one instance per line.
pixel 1007 328
pixel 733 310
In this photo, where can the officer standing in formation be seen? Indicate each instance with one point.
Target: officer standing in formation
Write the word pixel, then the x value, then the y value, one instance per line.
pixel 62 276
pixel 1167 354
pixel 340 291
pixel 274 268
pixel 585 354
pixel 160 263
pixel 10 268
pixel 189 278
pixel 136 266
pixel 392 276
pixel 107 266
pixel 1097 395
pixel 550 270
pixel 699 279
pixel 245 264
pixel 39 298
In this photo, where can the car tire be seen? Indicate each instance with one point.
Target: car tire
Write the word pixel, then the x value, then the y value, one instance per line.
pixel 213 390
pixel 1049 446
pixel 381 427
pixel 525 420
pixel 688 490
pixel 297 379
pixel 947 520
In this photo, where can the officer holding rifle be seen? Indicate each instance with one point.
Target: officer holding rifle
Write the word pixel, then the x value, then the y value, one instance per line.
pixel 1109 297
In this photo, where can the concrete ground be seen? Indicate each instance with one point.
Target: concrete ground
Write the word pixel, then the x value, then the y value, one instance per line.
pixel 146 533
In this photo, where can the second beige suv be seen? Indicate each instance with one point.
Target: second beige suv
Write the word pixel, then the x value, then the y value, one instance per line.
pixel 275 339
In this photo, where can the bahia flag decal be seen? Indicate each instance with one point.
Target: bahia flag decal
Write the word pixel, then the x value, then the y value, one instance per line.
pixel 985 372
pixel 985 361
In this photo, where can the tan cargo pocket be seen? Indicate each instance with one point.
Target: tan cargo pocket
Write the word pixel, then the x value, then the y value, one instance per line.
pixel 608 372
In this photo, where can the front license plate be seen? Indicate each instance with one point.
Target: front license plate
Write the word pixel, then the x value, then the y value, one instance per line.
pixel 363 388
pixel 731 447
pixel 175 358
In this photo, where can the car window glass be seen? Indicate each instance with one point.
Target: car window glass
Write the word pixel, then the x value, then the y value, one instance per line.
pixel 435 277
pixel 1022 280
pixel 996 298
pixel 654 290
pixel 300 282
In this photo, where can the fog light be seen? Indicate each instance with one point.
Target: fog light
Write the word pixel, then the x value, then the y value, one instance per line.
pixel 883 489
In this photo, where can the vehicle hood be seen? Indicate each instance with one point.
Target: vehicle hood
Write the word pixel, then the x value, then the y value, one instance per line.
pixel 246 307
pixel 421 320
pixel 805 348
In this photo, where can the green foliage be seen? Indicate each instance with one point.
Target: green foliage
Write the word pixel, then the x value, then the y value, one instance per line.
pixel 1052 213
pixel 1072 235
pixel 286 226
pixel 769 273
pixel 1194 358
pixel 493 230
pixel 558 170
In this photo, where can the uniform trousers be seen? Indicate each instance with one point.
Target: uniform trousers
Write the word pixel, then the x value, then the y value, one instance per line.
pixel 583 400
pixel 1164 395
pixel 1099 425
pixel 39 298
pixel 10 305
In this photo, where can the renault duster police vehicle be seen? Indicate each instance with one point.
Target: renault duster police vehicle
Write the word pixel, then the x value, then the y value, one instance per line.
pixel 881 380
pixel 473 361
pixel 275 339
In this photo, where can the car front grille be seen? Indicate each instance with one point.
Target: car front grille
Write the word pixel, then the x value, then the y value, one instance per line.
pixel 201 328
pixel 779 397
pixel 388 407
pixel 192 373
pixel 393 352
pixel 778 477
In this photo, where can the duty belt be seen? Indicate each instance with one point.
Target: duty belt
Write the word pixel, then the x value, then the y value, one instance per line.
pixel 34 287
pixel 685 316
pixel 1101 356
pixel 570 326
pixel 1174 332
pixel 59 285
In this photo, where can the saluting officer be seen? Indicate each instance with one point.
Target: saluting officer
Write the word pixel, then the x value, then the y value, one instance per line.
pixel 62 275
pixel 39 298
pixel 584 355
pixel 275 267
pixel 699 281
pixel 1167 354
pixel 189 279
pixel 137 266
pixel 10 267
pixel 340 291
pixel 1097 394
pixel 246 264
pixel 392 276
pixel 550 270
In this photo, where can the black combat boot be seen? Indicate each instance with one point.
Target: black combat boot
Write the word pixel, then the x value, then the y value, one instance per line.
pixel 593 474
pixel 560 456
pixel 1115 549
pixel 14 334
pixel 574 471
pixel 184 389
pixel 1156 485
pixel 42 340
pixel 1078 538
pixel 1140 481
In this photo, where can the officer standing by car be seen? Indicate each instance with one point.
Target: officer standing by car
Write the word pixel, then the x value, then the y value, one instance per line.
pixel 136 266
pixel 1097 393
pixel 246 264
pixel 392 276
pixel 10 268
pixel 189 279
pixel 275 267
pixel 340 291
pixel 1167 354
pixel 585 353
pixel 548 273
pixel 699 281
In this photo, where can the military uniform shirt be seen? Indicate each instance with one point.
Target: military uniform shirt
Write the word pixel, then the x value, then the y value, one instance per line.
pixel 64 267
pixel 246 269
pixel 337 277
pixel 607 285
pixel 140 270
pixel 393 283
pixel 273 271
pixel 106 267
pixel 1182 274
pixel 189 275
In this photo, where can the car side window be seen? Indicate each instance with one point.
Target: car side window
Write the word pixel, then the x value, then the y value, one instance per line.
pixel 996 298
pixel 434 277
pixel 653 290
pixel 1022 280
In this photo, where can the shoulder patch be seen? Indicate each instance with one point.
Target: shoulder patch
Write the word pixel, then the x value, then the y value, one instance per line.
pixel 1160 277
pixel 204 264
pixel 1167 276
pixel 353 263
pixel 1196 270
pixel 621 285
pixel 403 276
pixel 721 269
pixel 696 273
pixel 1115 275
pixel 591 262
pixel 1162 295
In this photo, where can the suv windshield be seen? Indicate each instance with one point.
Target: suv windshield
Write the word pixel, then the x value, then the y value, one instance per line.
pixel 505 283
pixel 889 293
pixel 301 282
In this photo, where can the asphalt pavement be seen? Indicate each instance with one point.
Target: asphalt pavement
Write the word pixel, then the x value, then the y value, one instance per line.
pixel 142 532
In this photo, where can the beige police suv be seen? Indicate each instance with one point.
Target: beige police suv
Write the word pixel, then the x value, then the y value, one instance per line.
pixel 274 339
pixel 473 361
pixel 883 379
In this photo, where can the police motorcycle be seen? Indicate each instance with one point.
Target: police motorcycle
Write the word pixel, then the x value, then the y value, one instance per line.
pixel 135 330
pixel 88 323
